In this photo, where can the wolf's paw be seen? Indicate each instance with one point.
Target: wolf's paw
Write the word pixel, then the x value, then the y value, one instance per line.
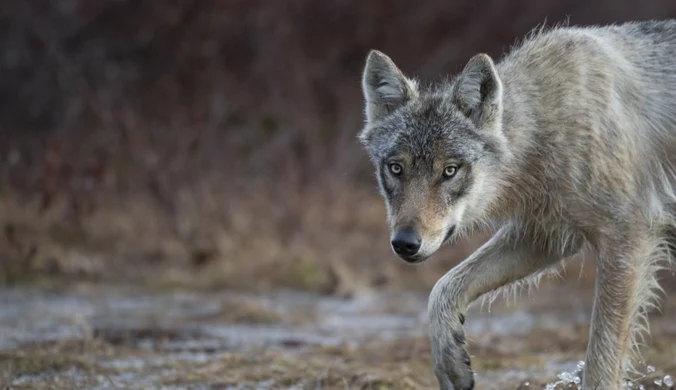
pixel 452 364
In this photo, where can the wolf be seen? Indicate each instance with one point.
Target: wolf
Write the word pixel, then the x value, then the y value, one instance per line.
pixel 565 146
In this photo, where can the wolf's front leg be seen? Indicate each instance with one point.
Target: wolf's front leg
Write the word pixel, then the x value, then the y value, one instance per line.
pixel 507 257
pixel 624 281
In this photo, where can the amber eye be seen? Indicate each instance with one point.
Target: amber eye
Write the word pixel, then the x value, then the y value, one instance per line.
pixel 396 169
pixel 450 171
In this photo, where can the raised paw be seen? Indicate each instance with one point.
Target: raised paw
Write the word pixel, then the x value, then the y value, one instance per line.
pixel 452 364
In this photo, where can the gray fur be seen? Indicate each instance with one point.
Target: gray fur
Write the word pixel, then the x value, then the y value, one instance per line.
pixel 385 87
pixel 567 145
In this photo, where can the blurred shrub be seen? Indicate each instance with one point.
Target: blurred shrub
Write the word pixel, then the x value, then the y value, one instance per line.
pixel 176 135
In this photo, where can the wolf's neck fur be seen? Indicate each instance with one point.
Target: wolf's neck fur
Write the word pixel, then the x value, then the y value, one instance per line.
pixel 519 187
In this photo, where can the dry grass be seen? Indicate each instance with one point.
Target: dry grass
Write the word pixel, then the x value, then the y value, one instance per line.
pixel 163 349
pixel 213 144
pixel 337 244
pixel 404 364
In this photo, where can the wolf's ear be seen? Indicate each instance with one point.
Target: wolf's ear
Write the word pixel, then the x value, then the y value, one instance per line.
pixel 385 87
pixel 478 91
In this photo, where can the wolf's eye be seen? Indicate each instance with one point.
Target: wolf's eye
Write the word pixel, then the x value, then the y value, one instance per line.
pixel 395 169
pixel 450 171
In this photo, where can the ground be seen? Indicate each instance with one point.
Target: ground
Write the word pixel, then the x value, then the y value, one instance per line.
pixel 107 337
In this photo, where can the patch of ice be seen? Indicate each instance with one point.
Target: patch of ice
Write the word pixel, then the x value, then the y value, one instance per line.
pixel 568 377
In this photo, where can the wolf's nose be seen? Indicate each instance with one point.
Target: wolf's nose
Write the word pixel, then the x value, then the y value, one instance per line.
pixel 406 242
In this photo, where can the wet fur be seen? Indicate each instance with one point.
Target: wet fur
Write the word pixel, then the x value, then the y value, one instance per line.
pixel 569 143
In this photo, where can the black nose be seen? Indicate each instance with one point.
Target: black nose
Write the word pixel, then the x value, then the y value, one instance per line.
pixel 406 242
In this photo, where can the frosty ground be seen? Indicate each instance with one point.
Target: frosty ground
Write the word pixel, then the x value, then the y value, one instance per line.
pixel 96 337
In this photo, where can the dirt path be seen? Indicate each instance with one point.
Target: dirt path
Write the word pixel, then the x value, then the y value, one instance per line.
pixel 117 338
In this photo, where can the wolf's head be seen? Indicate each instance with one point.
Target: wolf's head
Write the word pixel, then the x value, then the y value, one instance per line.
pixel 437 152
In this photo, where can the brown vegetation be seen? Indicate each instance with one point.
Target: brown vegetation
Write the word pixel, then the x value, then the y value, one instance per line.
pixel 213 143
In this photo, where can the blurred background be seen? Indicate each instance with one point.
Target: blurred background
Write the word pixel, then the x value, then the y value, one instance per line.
pixel 214 142
pixel 211 145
